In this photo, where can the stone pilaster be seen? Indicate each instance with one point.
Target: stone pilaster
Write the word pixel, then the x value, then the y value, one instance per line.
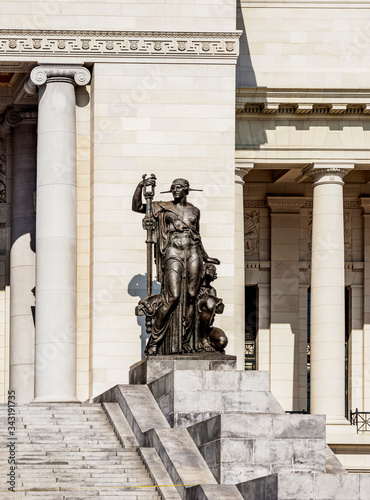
pixel 56 231
pixel 241 170
pixel 327 292
pixel 22 254
pixel 284 326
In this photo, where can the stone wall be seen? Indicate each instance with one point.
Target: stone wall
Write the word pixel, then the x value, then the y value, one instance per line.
pixel 172 120
pixel 311 45
pixel 189 15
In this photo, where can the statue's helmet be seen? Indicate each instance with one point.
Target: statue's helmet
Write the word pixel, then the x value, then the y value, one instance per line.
pixel 182 182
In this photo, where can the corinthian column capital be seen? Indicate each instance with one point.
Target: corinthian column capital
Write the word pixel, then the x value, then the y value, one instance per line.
pixel 78 74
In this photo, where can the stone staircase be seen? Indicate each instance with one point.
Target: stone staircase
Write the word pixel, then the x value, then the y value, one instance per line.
pixel 70 451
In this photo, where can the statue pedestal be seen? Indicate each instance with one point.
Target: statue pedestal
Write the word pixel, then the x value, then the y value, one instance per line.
pixel 154 367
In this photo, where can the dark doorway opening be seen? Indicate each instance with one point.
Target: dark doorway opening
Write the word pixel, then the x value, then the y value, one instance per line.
pixel 251 326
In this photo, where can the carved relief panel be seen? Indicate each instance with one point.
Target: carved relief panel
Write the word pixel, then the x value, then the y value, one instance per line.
pixel 2 171
pixel 251 232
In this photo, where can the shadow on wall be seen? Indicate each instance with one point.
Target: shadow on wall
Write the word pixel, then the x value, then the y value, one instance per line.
pixel 245 75
pixel 137 288
pixel 82 97
pixel 245 78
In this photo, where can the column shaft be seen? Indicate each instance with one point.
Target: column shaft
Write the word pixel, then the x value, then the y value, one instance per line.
pixel 56 243
pixel 239 306
pixel 22 260
pixel 327 295
pixel 365 202
pixel 56 231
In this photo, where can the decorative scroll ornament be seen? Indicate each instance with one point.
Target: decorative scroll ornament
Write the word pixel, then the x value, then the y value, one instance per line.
pixel 40 74
pixel 12 118
pixel 251 232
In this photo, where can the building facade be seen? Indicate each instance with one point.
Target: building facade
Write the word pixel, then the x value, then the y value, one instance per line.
pixel 95 94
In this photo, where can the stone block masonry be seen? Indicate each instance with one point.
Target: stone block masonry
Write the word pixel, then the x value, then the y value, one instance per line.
pixel 243 435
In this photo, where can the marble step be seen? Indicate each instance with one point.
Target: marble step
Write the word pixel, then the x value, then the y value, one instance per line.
pixel 75 452
pixel 90 468
pixel 84 483
pixel 101 495
pixel 64 445
pixel 123 477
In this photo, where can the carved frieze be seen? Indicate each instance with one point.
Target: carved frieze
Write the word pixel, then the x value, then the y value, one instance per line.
pixel 255 204
pixel 120 43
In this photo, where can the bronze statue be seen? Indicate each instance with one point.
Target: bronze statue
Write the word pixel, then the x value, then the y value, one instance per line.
pixel 208 305
pixel 173 227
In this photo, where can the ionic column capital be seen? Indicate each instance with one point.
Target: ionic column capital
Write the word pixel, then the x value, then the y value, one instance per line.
pixel 14 117
pixel 328 173
pixel 241 170
pixel 75 73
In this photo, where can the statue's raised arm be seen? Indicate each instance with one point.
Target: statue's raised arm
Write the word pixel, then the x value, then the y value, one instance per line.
pixel 180 256
pixel 137 198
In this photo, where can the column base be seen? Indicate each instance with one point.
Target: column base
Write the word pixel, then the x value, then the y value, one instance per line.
pixel 335 420
pixel 56 400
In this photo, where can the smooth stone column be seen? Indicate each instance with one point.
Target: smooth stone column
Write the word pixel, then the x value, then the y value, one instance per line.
pixel 327 292
pixel 365 204
pixel 22 254
pixel 56 232
pixel 241 170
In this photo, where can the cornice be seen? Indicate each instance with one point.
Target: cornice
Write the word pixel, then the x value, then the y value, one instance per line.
pixel 314 102
pixel 119 43
pixel 308 203
pixel 304 4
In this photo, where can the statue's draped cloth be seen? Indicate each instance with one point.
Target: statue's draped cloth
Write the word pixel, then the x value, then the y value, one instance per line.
pixel 179 260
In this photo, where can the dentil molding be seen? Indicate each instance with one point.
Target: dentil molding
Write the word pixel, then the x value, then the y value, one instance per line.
pixel 120 43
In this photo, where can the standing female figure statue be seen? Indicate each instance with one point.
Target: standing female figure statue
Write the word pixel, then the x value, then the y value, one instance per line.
pixel 180 255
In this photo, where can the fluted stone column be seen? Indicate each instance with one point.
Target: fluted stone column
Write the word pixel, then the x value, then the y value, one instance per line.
pixel 56 231
pixel 239 301
pixel 22 254
pixel 327 292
